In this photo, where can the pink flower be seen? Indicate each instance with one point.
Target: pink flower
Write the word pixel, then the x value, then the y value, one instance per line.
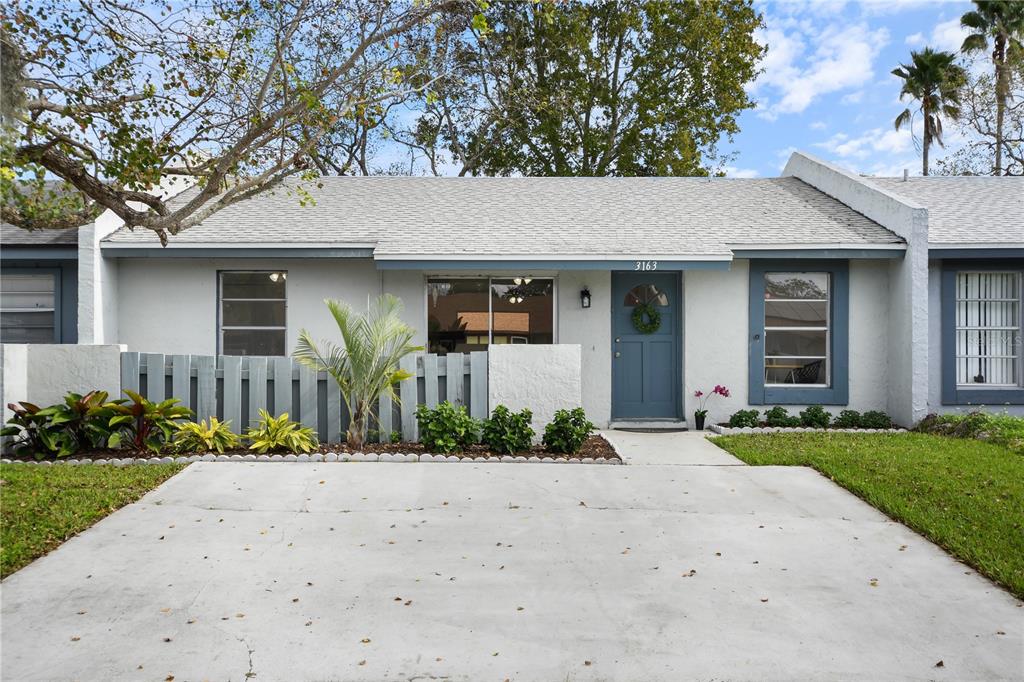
pixel 698 394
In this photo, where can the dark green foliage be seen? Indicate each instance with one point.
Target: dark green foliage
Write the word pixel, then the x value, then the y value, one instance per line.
pixel 744 419
pixel 81 421
pixel 780 417
pixel 568 431
pixel 875 419
pixel 146 425
pixel 507 431
pixel 847 419
pixel 446 428
pixel 815 417
pixel 996 428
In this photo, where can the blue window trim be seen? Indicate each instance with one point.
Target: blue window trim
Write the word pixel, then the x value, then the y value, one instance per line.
pixel 58 308
pixel 951 393
pixel 839 336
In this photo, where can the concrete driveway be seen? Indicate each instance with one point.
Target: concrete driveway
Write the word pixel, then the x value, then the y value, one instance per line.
pixel 503 572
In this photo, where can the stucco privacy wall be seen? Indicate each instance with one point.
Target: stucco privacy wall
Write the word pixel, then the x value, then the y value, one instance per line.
pixel 169 305
pixel 907 377
pixel 13 375
pixel 44 373
pixel 544 378
pixel 717 334
pixel 591 329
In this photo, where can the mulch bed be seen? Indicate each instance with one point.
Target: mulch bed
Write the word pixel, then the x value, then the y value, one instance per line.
pixel 595 447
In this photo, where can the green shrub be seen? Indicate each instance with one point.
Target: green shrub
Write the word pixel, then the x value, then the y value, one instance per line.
pixel 779 416
pixel 874 419
pixel 997 428
pixel 396 436
pixel 277 434
pixel 193 437
pixel 744 419
pixel 145 424
pixel 446 428
pixel 847 419
pixel 507 431
pixel 815 417
pixel 38 433
pixel 568 431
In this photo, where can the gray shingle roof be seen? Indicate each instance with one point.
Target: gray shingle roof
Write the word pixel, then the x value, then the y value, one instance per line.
pixel 966 210
pixel 16 236
pixel 506 217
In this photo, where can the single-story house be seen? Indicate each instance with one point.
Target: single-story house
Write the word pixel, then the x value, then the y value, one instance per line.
pixel 817 287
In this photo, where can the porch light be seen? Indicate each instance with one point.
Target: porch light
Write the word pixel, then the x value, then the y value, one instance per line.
pixel 585 297
pixel 278 276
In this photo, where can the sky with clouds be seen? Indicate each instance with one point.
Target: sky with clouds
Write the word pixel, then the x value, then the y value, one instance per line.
pixel 827 86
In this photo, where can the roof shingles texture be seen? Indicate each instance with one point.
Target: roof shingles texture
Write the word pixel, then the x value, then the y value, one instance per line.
pixel 966 210
pixel 11 235
pixel 507 217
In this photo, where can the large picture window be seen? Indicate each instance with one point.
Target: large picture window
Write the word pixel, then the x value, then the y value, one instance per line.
pixel 796 328
pixel 988 329
pixel 799 332
pixel 253 313
pixel 468 314
pixel 28 307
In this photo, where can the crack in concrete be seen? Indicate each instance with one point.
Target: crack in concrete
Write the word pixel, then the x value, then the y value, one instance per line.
pixel 249 674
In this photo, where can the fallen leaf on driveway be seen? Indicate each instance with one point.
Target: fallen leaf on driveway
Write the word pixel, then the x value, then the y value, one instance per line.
pixel 165 610
pixel 940 664
pixel 692 572
pixel 764 599
pixel 874 582
pixel 75 639
pixel 366 640
pixel 362 662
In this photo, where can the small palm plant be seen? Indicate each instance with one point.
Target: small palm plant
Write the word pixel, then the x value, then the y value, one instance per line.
pixel 934 79
pixel 366 364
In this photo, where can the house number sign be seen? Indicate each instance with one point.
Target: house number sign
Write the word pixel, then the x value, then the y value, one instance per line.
pixel 645 265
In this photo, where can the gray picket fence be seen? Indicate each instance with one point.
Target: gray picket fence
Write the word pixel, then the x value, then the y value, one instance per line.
pixel 235 388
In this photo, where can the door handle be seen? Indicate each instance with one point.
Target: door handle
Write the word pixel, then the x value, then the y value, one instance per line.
pixel 618 354
pixel 618 340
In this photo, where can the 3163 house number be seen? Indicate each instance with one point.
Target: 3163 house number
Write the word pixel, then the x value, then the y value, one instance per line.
pixel 645 265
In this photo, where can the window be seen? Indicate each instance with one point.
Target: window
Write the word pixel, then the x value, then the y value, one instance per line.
pixel 982 358
pixel 28 307
pixel 796 328
pixel 253 313
pixel 468 314
pixel 799 345
pixel 645 293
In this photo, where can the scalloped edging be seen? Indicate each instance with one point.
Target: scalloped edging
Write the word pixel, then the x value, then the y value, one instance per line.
pixel 729 430
pixel 317 457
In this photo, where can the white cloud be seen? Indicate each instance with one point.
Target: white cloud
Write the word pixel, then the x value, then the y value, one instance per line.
pixel 804 64
pixel 818 125
pixel 889 142
pixel 915 40
pixel 853 97
pixel 948 35
pixel 734 172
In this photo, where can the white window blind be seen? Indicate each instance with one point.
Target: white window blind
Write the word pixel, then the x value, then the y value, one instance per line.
pixel 988 328
pixel 28 308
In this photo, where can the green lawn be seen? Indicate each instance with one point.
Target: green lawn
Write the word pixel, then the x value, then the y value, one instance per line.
pixel 41 507
pixel 965 495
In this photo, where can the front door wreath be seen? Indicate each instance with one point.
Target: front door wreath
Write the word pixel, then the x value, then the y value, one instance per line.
pixel 646 318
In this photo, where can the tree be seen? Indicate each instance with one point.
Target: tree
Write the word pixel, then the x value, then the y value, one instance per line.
pixel 933 79
pixel 977 126
pixel 234 96
pixel 575 88
pixel 366 364
pixel 1003 22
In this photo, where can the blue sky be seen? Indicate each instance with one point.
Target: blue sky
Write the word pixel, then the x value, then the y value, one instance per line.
pixel 827 86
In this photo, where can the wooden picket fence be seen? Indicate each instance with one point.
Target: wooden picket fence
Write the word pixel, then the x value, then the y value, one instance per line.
pixel 235 388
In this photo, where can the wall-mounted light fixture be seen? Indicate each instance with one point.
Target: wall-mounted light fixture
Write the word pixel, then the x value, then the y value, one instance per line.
pixel 585 298
pixel 278 276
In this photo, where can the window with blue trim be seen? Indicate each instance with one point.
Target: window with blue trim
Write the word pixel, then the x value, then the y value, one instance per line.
pixel 798 332
pixel 982 360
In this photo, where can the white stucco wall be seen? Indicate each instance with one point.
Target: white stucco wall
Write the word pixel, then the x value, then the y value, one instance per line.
pixel 907 328
pixel 716 334
pixel 591 329
pixel 97 283
pixel 169 305
pixel 543 378
pixel 410 286
pixel 44 373
pixel 14 376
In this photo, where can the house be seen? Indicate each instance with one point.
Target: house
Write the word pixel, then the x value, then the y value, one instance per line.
pixel 38 285
pixel 817 287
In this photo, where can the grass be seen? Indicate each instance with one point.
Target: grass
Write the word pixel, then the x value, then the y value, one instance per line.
pixel 965 495
pixel 994 427
pixel 41 507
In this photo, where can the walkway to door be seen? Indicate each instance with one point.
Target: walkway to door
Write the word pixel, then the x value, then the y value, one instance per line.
pixel 669 447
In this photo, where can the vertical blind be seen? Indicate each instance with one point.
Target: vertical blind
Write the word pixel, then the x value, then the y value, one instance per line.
pixel 988 328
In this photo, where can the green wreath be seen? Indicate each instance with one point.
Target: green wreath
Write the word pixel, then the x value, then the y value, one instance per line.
pixel 646 318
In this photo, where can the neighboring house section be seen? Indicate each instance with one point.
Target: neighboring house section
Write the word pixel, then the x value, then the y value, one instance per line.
pixel 976 287
pixel 38 285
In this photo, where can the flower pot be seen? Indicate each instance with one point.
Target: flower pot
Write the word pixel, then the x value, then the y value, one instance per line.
pixel 698 421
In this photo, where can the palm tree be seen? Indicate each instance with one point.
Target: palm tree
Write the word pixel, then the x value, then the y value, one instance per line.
pixel 1002 21
pixel 366 365
pixel 933 79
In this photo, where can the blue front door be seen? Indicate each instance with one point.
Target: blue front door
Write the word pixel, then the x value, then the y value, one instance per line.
pixel 646 376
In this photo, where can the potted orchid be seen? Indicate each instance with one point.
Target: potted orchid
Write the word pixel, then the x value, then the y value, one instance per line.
pixel 702 404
